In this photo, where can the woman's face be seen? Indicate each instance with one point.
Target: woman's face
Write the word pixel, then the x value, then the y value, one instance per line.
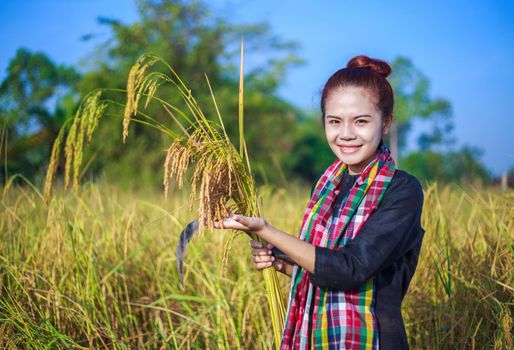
pixel 354 126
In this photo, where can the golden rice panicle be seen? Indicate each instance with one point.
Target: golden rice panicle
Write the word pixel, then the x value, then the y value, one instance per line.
pixel 167 171
pixel 95 110
pixel 69 150
pixel 149 86
pixel 87 119
pixel 214 193
pixel 200 152
pixel 176 163
pixel 135 88
pixel 78 151
pixel 83 126
pixel 52 167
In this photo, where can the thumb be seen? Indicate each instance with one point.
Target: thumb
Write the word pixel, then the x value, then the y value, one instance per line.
pixel 279 264
pixel 245 220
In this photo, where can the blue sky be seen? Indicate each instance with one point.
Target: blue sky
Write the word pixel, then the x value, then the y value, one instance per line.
pixel 465 48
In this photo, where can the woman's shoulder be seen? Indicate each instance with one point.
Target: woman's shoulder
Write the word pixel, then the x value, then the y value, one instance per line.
pixel 403 179
pixel 404 186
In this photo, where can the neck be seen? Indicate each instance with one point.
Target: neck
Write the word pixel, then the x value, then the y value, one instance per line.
pixel 352 171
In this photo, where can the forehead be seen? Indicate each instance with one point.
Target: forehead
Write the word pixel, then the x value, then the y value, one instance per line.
pixel 350 101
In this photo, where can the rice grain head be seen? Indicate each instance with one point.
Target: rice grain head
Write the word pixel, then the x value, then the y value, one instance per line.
pixel 82 127
pixel 85 124
pixel 136 83
pixel 52 167
pixel 97 109
pixel 69 151
pixel 213 166
pixel 176 163
pixel 78 150
pixel 150 85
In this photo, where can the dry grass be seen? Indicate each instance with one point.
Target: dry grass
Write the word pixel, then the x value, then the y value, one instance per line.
pixel 96 269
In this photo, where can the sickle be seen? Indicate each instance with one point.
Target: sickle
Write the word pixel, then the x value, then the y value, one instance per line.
pixel 187 234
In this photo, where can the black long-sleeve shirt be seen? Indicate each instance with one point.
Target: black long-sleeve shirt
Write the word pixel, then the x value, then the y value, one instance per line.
pixel 386 247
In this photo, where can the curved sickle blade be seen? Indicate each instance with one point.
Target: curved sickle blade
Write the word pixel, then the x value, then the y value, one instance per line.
pixel 185 236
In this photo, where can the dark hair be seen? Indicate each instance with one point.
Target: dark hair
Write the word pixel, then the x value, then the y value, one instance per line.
pixel 365 72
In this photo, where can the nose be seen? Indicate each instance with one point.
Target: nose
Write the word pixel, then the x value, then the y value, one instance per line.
pixel 346 131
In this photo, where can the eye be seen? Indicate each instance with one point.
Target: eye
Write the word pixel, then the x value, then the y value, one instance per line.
pixel 361 121
pixel 333 121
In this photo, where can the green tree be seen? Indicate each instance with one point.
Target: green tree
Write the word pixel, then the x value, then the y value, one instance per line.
pixel 465 165
pixel 311 153
pixel 36 97
pixel 427 166
pixel 412 100
pixel 194 42
pixel 460 165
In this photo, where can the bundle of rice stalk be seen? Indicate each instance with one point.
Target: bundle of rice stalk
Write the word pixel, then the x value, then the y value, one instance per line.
pixel 221 172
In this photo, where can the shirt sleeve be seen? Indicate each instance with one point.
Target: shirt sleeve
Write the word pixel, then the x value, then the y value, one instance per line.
pixel 387 235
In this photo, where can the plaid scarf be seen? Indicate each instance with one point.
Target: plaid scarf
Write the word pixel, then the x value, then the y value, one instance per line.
pixel 322 318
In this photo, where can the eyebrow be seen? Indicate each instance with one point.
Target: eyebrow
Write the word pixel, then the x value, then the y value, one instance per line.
pixel 357 116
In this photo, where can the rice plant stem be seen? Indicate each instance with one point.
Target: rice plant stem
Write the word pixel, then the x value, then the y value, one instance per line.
pixel 241 99
pixel 216 107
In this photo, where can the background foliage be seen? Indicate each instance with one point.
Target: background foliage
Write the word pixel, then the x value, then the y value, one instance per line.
pixel 38 95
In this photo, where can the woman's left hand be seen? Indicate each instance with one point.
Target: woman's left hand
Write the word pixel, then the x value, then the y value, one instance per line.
pixel 241 222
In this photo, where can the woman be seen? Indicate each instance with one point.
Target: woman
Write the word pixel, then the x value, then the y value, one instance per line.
pixel 361 234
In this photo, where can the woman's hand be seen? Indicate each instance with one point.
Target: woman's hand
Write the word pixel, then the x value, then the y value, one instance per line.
pixel 302 253
pixel 241 222
pixel 262 258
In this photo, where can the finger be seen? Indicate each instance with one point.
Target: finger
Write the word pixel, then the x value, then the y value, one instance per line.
pixel 256 244
pixel 279 265
pixel 263 258
pixel 261 266
pixel 261 252
pixel 219 224
pixel 232 224
pixel 246 221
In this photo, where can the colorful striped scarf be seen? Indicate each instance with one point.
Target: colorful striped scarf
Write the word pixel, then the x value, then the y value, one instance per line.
pixel 322 318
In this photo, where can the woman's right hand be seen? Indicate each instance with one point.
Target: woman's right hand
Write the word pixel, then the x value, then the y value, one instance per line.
pixel 262 258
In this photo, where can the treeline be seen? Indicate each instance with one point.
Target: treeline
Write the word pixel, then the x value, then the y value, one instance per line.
pixel 38 95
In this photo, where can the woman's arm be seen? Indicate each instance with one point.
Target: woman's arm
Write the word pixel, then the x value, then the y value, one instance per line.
pixel 387 235
pixel 302 253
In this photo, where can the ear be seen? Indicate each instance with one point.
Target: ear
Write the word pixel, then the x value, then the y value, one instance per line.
pixel 386 126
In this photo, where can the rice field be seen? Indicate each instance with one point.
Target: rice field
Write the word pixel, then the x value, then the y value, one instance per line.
pixel 96 268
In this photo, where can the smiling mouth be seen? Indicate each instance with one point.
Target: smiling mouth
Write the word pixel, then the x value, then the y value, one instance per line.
pixel 349 149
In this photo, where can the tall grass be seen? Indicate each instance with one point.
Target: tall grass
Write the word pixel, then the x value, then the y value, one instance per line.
pixel 95 268
pixel 91 271
pixel 462 294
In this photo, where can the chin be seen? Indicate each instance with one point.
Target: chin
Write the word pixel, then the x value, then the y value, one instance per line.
pixel 353 159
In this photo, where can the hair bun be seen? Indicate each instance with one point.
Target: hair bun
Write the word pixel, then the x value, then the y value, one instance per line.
pixel 378 66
